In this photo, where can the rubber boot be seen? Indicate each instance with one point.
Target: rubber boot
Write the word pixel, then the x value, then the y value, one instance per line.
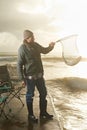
pixel 43 111
pixel 31 116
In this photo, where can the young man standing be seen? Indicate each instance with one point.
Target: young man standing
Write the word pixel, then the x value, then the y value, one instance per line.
pixel 30 70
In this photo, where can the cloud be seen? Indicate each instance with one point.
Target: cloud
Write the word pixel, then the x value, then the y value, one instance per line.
pixel 47 19
pixel 8 42
pixel 13 19
pixel 16 16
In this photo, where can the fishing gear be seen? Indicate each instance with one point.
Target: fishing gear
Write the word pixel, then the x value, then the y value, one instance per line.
pixel 70 52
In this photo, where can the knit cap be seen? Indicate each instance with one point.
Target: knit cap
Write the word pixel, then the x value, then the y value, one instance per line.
pixel 27 34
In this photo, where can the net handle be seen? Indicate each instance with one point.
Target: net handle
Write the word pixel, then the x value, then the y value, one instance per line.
pixel 64 38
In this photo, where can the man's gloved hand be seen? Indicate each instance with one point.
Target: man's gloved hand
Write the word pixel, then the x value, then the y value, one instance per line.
pixel 23 83
pixel 52 44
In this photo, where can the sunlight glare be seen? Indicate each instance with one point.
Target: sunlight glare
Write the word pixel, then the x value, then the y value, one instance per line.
pixel 80 70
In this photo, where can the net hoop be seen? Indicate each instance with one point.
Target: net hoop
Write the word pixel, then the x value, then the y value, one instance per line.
pixel 69 57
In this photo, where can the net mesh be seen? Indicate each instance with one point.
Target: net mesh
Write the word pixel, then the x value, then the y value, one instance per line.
pixel 70 51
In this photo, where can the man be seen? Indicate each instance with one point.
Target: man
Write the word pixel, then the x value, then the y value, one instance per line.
pixel 30 70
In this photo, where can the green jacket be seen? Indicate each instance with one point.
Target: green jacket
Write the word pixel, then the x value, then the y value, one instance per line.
pixel 29 59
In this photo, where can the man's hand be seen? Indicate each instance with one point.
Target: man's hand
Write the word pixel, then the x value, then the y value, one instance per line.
pixel 23 83
pixel 52 44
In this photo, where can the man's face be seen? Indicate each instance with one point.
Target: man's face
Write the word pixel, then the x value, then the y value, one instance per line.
pixel 30 39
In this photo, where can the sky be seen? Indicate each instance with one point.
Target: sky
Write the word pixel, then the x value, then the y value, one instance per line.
pixel 49 20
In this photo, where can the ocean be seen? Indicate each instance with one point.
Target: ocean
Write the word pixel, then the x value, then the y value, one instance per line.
pixel 68 88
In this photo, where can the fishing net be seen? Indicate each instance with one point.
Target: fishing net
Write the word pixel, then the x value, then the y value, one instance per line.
pixel 70 52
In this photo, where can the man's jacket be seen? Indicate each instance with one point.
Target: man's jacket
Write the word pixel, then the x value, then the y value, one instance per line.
pixel 29 59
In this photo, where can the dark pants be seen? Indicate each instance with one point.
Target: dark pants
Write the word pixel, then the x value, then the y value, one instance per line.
pixel 40 84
